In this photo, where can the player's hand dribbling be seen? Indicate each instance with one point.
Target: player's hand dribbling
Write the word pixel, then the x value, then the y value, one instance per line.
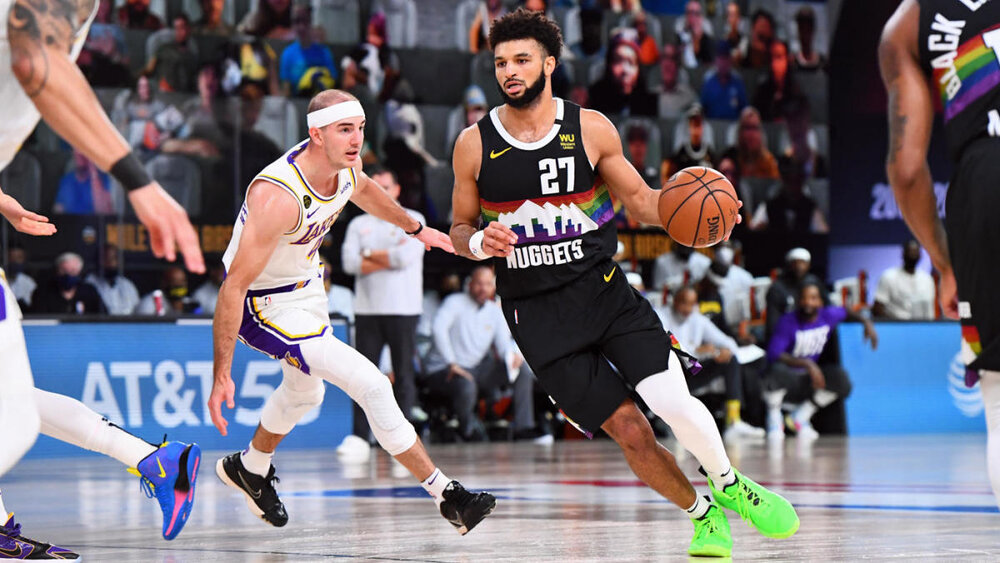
pixel 169 226
pixel 22 220
pixel 222 390
pixel 432 237
pixel 498 240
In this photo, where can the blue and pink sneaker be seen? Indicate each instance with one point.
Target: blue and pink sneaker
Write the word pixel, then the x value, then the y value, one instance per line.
pixel 169 474
pixel 15 546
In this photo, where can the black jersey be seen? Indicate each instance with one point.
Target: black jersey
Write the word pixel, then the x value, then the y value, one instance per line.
pixel 549 194
pixel 959 44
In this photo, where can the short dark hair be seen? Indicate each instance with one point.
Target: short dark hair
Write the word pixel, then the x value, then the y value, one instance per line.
pixel 524 24
pixel 377 169
pixel 810 283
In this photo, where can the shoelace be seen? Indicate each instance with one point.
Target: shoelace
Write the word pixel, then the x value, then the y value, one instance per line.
pixel 705 526
pixel 746 496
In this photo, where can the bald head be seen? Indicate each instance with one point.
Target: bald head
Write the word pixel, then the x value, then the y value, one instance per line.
pixel 327 98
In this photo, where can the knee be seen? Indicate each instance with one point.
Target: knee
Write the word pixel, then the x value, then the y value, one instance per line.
pixel 630 430
pixel 305 397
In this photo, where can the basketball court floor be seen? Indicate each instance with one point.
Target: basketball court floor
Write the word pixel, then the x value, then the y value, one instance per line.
pixel 893 497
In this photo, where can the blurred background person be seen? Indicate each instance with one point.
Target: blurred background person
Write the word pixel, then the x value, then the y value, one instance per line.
pixel 85 190
pixel 118 293
pixel 174 65
pixel 723 94
pixel 388 266
pixel 807 58
pixel 473 355
pixel 799 340
pixel 762 33
pixel 479 31
pixel 135 14
pixel 211 22
pixel 20 282
pixel 779 87
pixel 271 19
pixel 173 297
pixel 681 265
pixel 756 161
pixel 783 291
pixel 306 67
pixel 675 93
pixel 207 294
pixel 694 150
pixel 66 293
pixel 694 37
pixel 905 293
pixel 619 91
pixel 715 350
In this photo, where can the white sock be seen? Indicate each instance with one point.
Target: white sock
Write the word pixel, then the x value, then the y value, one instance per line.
pixel 824 397
pixel 724 479
pixel 699 509
pixel 805 412
pixel 66 419
pixel 775 422
pixel 256 461
pixel 435 485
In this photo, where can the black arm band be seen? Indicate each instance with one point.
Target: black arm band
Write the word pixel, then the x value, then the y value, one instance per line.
pixel 416 232
pixel 130 173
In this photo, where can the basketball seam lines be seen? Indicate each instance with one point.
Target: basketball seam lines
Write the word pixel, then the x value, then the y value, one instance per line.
pixel 696 178
pixel 721 212
pixel 679 206
pixel 701 211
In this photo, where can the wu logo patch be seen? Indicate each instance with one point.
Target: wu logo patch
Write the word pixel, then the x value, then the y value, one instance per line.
pixel 567 140
pixel 306 201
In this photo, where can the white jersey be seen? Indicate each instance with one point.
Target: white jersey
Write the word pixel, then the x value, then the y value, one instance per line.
pixel 296 258
pixel 18 115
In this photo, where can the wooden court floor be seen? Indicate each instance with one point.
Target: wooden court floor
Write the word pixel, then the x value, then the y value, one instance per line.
pixel 902 498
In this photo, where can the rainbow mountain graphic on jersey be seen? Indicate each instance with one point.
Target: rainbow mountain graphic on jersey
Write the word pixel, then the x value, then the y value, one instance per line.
pixel 552 218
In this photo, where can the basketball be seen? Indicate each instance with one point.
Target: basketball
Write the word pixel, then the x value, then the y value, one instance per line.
pixel 698 207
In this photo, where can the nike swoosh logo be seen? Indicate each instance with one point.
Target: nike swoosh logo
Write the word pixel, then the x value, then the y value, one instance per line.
pixel 310 214
pixel 607 278
pixel 11 553
pixel 246 486
pixel 162 472
pixel 494 154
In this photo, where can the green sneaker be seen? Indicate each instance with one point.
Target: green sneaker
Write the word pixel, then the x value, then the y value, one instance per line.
pixel 711 535
pixel 770 513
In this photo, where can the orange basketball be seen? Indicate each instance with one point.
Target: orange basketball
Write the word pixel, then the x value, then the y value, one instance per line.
pixel 698 207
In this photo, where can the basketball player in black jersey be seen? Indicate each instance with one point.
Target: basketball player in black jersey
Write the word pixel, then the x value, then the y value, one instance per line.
pixel 950 49
pixel 537 173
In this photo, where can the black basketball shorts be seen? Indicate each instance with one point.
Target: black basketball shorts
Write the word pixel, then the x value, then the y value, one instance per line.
pixel 973 226
pixel 569 336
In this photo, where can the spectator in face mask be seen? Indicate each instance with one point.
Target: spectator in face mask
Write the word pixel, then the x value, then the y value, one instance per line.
pixel 172 299
pixel 118 293
pixel 21 283
pixel 67 293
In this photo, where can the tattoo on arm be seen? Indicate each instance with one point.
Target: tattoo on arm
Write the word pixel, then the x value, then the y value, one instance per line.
pixel 897 124
pixel 36 29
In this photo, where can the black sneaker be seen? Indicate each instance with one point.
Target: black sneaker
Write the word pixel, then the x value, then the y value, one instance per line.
pixel 465 509
pixel 262 498
pixel 15 546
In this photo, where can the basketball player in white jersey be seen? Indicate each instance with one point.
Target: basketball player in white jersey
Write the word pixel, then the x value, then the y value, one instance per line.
pixel 39 42
pixel 273 300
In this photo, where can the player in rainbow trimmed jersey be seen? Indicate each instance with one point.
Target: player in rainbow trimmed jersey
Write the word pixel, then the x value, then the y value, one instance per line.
pixel 533 186
pixel 273 301
pixel 950 49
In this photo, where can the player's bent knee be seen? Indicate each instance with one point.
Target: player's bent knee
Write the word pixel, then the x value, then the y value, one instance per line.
pixel 286 406
pixel 630 429
pixel 393 432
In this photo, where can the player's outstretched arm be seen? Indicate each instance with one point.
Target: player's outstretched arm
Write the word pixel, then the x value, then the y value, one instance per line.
pixel 911 114
pixel 23 220
pixel 496 239
pixel 602 140
pixel 271 211
pixel 370 197
pixel 41 35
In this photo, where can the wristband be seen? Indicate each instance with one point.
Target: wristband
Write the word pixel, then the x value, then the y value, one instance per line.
pixel 476 245
pixel 130 173
pixel 416 232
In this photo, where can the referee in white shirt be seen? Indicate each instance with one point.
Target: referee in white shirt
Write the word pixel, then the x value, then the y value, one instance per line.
pixel 474 354
pixel 388 267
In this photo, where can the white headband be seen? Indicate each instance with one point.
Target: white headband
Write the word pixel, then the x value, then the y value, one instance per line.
pixel 334 113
